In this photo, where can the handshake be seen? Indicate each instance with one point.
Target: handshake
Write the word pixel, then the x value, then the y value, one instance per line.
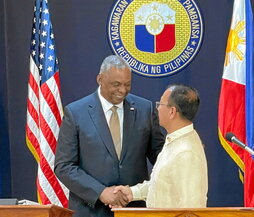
pixel 116 196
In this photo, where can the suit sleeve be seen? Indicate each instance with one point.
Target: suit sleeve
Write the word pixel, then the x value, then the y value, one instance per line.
pixel 157 137
pixel 67 163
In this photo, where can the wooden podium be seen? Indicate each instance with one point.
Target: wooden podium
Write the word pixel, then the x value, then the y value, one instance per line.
pixel 34 211
pixel 202 212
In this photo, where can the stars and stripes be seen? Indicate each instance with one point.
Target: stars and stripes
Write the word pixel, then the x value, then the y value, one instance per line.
pixel 44 108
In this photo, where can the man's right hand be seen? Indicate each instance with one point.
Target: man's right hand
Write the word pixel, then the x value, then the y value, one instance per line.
pixel 125 190
pixel 118 199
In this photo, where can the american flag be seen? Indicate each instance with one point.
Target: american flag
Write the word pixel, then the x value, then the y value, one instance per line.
pixel 44 107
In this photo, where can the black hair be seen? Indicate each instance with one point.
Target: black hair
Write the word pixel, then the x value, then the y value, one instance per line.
pixel 185 99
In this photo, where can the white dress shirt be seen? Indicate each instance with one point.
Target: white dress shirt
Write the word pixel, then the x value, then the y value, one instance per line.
pixel 179 176
pixel 106 106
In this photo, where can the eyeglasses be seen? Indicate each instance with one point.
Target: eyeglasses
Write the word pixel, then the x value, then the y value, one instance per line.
pixel 157 104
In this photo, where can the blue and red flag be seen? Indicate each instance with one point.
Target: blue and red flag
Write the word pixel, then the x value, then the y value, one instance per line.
pixel 155 28
pixel 249 161
pixel 236 108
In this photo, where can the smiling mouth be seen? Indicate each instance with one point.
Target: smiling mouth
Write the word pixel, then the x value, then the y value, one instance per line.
pixel 119 96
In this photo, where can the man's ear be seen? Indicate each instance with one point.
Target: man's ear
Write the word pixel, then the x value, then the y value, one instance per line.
pixel 99 77
pixel 173 112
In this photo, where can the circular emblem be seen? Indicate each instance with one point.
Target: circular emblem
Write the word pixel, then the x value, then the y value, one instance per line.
pixel 157 38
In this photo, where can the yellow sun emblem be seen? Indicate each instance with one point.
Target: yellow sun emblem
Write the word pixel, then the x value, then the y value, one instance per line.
pixel 155 24
pixel 234 41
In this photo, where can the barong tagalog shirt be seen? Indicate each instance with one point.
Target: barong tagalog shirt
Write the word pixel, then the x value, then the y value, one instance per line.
pixel 179 176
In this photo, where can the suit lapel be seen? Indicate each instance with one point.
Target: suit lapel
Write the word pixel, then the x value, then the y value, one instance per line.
pixel 100 122
pixel 128 124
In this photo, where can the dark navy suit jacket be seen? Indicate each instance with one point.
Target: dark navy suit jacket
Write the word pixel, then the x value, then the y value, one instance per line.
pixel 86 161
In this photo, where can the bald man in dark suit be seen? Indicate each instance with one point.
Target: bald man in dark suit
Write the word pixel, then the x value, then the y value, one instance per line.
pixel 86 158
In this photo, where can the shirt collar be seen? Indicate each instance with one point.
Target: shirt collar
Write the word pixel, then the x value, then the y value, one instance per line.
pixel 106 105
pixel 178 133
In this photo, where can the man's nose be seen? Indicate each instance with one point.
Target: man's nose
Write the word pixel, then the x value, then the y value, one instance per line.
pixel 122 89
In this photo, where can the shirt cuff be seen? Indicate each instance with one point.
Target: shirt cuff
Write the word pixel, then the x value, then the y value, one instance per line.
pixel 136 193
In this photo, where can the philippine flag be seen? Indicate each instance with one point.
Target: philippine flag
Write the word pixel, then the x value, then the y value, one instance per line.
pixel 154 28
pixel 236 104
